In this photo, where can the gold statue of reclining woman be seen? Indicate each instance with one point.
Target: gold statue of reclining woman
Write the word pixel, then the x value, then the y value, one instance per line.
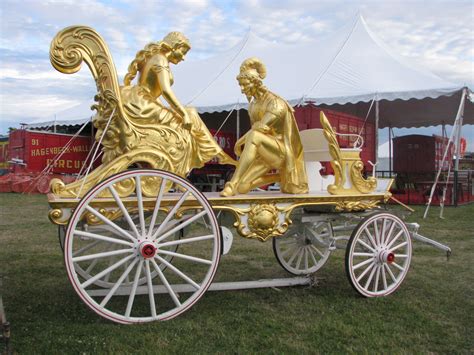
pixel 142 101
pixel 132 125
pixel 273 142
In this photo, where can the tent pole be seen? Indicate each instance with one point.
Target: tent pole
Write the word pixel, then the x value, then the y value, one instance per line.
pixel 458 148
pixel 376 129
pixel 390 151
pixel 455 125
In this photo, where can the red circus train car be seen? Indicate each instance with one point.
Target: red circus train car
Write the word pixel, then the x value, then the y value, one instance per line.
pixel 420 154
pixel 32 151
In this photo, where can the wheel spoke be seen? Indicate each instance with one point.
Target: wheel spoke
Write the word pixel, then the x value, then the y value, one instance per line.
pixel 124 210
pixel 101 255
pixel 86 248
pixel 170 215
pixel 370 236
pixel 398 246
pixel 365 245
pixel 177 272
pixel 187 240
pixel 167 285
pixel 141 215
pixel 118 283
pixel 365 262
pixel 103 238
pixel 383 231
pixel 305 258
pixel 390 231
pixel 110 223
pixel 186 257
pixel 384 278
pixel 369 279
pixel 106 271
pixel 300 257
pixel 398 266
pixel 151 294
pixel 317 250
pixel 377 276
pixel 286 241
pixel 180 226
pixel 107 276
pixel 364 254
pixel 390 272
pixel 395 238
pixel 133 291
pixel 92 266
pixel 365 271
pixel 401 255
pixel 289 250
pixel 157 206
pixel 312 256
pixel 376 231
pixel 293 256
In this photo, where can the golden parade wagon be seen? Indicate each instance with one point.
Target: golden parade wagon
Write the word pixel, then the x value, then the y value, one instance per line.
pixel 141 243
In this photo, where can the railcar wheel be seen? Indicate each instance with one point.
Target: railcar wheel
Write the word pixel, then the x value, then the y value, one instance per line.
pixel 378 255
pixel 132 247
pixel 305 247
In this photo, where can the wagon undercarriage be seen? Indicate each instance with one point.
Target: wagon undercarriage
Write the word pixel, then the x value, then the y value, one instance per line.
pixel 144 245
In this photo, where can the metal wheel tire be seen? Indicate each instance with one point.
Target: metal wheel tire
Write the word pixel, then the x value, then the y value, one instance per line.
pixel 305 247
pixel 378 255
pixel 125 253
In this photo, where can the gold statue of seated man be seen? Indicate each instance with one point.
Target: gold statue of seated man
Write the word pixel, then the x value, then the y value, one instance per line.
pixel 273 142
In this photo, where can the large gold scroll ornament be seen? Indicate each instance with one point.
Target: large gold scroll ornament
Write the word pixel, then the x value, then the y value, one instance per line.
pixel 347 166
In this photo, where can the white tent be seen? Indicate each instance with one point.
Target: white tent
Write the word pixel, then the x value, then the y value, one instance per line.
pixel 349 71
pixel 346 70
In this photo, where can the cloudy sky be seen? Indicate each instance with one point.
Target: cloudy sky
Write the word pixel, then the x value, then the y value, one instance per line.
pixel 437 34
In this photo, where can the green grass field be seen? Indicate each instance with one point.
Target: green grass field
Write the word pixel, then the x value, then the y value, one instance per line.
pixel 432 312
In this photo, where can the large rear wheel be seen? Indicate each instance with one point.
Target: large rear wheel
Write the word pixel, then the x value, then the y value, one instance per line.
pixel 121 246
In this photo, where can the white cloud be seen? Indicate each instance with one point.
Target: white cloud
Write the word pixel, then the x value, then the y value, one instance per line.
pixel 437 34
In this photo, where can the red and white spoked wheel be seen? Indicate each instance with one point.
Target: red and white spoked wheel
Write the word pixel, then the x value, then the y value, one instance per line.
pixel 378 255
pixel 122 255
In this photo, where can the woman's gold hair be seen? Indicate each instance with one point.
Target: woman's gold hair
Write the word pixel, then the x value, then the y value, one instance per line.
pixel 171 41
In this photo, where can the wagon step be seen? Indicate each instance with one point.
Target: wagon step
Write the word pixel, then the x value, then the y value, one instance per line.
pixel 216 286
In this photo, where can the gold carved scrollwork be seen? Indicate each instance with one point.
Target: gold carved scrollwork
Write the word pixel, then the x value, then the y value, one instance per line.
pixel 365 186
pixel 344 160
pixel 335 152
pixel 111 214
pixel 55 216
pixel 264 222
pixel 355 206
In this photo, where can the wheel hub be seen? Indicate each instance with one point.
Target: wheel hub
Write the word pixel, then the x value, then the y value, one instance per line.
pixel 147 250
pixel 385 256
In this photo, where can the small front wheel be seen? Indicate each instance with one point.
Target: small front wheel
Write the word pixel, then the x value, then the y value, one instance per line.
pixel 378 255
pixel 305 248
